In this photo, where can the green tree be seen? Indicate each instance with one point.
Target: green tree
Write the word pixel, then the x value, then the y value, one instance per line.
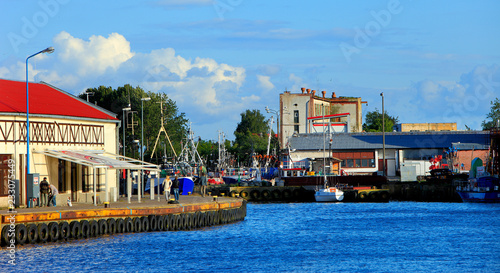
pixel 373 121
pixel 175 123
pixel 251 135
pixel 492 117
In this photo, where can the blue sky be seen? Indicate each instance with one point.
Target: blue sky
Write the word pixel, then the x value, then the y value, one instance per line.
pixel 435 61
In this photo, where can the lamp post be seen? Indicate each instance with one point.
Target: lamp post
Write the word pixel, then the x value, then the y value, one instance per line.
pixel 383 133
pixel 124 170
pixel 47 50
pixel 277 122
pixel 142 142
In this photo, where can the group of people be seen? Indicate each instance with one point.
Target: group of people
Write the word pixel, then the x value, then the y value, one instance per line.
pixel 48 194
pixel 170 187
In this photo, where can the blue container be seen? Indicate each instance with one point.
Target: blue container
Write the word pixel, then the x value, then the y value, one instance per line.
pixel 186 185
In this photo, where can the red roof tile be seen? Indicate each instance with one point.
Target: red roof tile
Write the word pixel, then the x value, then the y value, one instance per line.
pixel 45 100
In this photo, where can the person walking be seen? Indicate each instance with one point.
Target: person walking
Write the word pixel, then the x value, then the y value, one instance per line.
pixel 175 188
pixel 44 192
pixel 52 195
pixel 167 184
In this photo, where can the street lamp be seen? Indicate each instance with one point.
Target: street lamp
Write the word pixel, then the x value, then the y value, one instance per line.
pixel 47 50
pixel 142 142
pixel 383 133
pixel 126 109
pixel 277 123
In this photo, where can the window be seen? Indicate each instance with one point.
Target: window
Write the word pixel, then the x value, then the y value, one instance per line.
pixel 350 163
pixel 4 174
pixel 296 129
pixel 296 116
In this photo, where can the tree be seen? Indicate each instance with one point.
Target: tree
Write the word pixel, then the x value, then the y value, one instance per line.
pixel 115 100
pixel 374 121
pixel 251 135
pixel 493 117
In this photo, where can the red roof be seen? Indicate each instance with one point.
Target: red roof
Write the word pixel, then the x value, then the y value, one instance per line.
pixel 46 100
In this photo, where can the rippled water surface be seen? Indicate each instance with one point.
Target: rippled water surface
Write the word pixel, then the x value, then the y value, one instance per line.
pixel 302 237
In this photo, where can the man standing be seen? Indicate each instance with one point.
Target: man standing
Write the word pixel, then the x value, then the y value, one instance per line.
pixel 175 187
pixel 203 183
pixel 44 192
pixel 52 194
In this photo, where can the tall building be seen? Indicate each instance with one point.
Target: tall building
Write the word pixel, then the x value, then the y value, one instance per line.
pixel 298 112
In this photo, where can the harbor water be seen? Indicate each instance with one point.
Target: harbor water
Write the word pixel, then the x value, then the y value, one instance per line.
pixel 295 237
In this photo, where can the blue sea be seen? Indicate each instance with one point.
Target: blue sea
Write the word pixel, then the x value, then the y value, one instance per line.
pixel 295 237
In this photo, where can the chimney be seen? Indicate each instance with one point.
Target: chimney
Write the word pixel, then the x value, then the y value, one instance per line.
pixel 308 90
pixel 324 93
pixel 313 92
pixel 333 95
pixel 303 89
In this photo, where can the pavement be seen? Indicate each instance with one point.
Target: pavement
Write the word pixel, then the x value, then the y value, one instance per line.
pixel 122 202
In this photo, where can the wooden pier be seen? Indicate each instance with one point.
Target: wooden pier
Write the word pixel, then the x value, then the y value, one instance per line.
pixel 51 224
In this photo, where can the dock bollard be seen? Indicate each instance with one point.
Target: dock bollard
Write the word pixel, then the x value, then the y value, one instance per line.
pixel 106 204
pixel 215 198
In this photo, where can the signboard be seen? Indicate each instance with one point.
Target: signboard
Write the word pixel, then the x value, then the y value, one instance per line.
pixel 35 180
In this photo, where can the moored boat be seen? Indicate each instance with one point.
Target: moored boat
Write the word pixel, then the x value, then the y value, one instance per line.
pixel 484 189
pixel 329 194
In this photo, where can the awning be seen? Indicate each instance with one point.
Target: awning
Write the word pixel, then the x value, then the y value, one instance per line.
pixel 100 159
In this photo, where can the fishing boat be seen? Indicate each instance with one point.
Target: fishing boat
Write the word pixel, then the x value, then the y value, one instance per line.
pixel 481 187
pixel 484 189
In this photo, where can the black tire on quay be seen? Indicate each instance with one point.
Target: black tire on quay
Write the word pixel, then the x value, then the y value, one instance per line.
pixel 53 231
pixel 103 227
pixel 286 194
pixel 276 194
pixel 180 221
pixel 75 229
pixel 64 231
pixel 374 196
pixel 244 194
pixel 129 225
pixel 160 221
pixel 202 219
pixel 32 233
pixel 153 222
pixel 137 224
pixel 166 222
pixel 216 218
pixel 173 222
pixel 43 232
pixel 120 225
pixel 255 195
pixel 187 222
pixel 21 234
pixel 362 196
pixel 5 235
pixel 266 195
pixel 144 224
pixel 111 225
pixel 94 228
pixel 195 220
pixel 233 193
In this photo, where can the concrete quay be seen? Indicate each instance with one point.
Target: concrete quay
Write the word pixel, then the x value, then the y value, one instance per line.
pixel 51 224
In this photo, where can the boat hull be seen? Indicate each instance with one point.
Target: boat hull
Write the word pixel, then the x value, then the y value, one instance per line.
pixel 479 197
pixel 329 196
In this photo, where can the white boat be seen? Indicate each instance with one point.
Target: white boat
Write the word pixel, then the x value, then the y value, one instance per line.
pixel 329 194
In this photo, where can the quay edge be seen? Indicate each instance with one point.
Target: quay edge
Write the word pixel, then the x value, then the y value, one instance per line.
pixel 40 225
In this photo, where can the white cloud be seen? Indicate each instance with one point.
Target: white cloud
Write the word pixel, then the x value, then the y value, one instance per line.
pixel 95 56
pixel 265 82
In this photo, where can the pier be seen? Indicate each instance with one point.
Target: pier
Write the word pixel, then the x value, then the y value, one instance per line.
pixel 51 224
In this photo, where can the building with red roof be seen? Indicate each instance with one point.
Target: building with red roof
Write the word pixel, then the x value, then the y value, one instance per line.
pixel 72 142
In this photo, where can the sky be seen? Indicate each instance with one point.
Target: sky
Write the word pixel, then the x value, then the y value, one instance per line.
pixel 435 61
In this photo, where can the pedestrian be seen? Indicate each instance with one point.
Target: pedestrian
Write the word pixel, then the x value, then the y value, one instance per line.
pixel 44 192
pixel 52 195
pixel 203 184
pixel 167 184
pixel 175 188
